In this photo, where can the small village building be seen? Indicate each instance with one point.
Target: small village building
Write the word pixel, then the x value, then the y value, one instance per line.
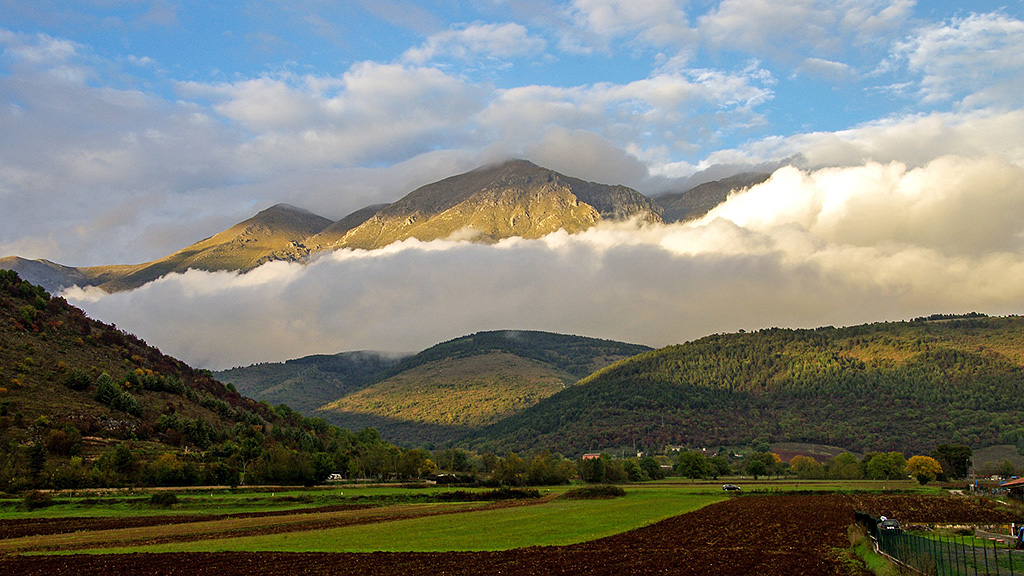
pixel 1015 488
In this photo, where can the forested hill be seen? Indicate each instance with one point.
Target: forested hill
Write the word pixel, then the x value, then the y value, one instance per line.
pixel 309 382
pixel 893 386
pixel 577 356
pixel 85 404
pixel 457 386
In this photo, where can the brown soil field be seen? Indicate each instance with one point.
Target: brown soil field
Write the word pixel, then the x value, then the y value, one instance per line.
pixel 43 526
pixel 784 535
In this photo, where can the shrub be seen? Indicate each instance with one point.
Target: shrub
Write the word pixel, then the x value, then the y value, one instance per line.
pixel 503 493
pixel 594 493
pixel 77 379
pixel 109 393
pixel 163 499
pixel 35 499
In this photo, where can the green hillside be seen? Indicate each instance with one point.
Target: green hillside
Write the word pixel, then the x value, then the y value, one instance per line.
pixel 471 391
pixel 438 395
pixel 310 382
pixel 894 386
pixel 83 404
pixel 577 356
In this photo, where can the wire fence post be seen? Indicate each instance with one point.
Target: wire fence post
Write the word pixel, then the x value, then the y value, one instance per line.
pixel 1009 555
pixel 974 554
pixel 984 553
pixel 949 554
pixel 939 562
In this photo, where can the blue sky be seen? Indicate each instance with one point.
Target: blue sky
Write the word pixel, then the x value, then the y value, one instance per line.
pixel 649 94
pixel 132 128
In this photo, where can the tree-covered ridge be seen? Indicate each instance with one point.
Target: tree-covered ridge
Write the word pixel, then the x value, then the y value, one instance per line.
pixel 438 395
pixel 577 356
pixel 85 404
pixel 906 386
pixel 310 382
pixel 467 391
pixel 451 389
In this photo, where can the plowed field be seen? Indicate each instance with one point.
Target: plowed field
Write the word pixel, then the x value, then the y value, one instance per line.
pixel 791 535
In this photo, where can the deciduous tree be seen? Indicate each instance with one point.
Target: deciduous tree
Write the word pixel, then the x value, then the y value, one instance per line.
pixel 924 468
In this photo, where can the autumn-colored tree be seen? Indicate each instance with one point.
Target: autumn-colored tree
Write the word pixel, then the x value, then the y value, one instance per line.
pixel 806 467
pixel 924 468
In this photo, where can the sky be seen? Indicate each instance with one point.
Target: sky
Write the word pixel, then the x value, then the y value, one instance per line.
pixel 894 130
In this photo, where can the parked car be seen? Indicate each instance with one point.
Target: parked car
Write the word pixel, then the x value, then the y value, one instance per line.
pixel 890 525
pixel 730 487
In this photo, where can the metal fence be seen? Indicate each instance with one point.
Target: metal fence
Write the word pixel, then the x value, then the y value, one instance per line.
pixel 952 555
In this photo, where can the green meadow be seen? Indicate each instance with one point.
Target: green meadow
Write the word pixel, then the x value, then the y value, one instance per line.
pixel 425 525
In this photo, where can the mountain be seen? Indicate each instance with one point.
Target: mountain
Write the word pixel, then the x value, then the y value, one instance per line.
pixel 83 404
pixel 891 386
pixel 276 233
pixel 310 382
pixel 335 232
pixel 54 277
pixel 512 199
pixel 441 393
pixel 699 200
pixel 516 198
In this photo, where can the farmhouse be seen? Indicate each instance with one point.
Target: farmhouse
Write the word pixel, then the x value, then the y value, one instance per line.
pixel 1015 488
pixel 592 456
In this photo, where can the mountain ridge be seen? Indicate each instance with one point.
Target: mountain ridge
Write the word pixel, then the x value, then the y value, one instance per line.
pixel 513 198
pixel 439 393
pixel 883 386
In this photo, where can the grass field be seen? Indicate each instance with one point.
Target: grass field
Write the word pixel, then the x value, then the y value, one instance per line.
pixel 387 518
pixel 128 502
pixel 552 522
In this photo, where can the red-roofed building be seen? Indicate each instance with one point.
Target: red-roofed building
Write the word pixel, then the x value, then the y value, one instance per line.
pixel 1014 487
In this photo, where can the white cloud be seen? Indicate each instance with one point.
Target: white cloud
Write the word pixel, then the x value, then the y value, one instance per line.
pixel 954 206
pixel 798 29
pixel 833 246
pixel 914 140
pixel 372 113
pixel 583 152
pixel 478 41
pixel 827 69
pixel 975 60
pixel 667 108
pixel 597 23
pixel 82 163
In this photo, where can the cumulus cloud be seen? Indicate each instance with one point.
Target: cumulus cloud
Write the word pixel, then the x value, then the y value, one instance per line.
pixel 914 140
pixel 669 106
pixel 806 248
pixel 81 162
pixel 583 152
pixel 975 60
pixel 372 113
pixel 792 31
pixel 478 41
pixel 597 23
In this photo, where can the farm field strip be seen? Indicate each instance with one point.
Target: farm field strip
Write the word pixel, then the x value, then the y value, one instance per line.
pixel 549 523
pixel 754 535
pixel 227 527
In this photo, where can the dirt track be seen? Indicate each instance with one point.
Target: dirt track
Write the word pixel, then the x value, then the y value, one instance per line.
pixel 751 535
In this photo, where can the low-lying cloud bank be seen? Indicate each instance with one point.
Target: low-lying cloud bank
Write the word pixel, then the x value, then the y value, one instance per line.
pixel 806 248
